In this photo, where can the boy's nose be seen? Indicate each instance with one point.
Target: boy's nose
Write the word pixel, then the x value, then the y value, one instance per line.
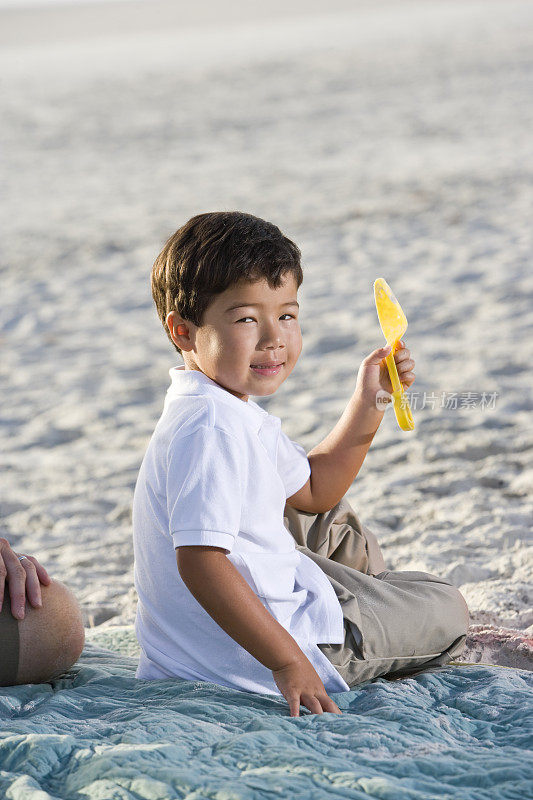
pixel 272 339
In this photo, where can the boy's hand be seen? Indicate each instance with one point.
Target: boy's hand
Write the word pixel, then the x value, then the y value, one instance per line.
pixel 300 684
pixel 373 375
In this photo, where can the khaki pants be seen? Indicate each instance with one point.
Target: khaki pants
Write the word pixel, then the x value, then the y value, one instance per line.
pixel 396 623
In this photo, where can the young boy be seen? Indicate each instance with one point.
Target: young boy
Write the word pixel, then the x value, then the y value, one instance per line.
pixel 251 568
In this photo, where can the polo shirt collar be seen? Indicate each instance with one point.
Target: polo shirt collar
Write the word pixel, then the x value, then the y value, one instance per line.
pixel 193 382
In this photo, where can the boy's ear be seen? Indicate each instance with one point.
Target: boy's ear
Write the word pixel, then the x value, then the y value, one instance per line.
pixel 179 330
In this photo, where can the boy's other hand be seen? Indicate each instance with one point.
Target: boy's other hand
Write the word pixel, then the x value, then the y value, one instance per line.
pixel 300 684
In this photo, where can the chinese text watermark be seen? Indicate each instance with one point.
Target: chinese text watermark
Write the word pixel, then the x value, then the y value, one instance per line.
pixel 484 401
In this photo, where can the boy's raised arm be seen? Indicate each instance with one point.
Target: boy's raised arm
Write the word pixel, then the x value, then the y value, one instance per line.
pixel 338 458
pixel 229 600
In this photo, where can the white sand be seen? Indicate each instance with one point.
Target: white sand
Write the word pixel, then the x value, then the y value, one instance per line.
pixel 388 139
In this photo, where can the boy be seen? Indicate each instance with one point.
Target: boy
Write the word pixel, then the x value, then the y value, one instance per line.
pixel 274 586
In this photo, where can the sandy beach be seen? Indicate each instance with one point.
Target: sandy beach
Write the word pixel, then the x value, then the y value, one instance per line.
pixel 388 139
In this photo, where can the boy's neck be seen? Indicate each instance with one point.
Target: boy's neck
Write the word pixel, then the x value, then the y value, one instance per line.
pixel 195 369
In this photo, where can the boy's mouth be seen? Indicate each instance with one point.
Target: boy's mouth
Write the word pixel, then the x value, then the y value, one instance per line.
pixel 271 368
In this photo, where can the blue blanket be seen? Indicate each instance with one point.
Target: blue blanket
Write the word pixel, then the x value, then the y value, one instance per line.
pixel 97 732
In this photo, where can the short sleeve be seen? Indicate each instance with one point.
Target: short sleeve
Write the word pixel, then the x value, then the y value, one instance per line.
pixel 205 488
pixel 292 464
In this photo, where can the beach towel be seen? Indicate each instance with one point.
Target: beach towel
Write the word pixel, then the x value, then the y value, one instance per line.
pixel 97 732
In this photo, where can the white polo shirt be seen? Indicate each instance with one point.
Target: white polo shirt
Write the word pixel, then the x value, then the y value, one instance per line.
pixel 217 471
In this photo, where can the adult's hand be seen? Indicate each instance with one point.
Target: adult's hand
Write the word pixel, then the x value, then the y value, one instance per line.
pixel 21 577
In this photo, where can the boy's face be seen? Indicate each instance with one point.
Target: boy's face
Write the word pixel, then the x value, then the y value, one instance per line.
pixel 232 343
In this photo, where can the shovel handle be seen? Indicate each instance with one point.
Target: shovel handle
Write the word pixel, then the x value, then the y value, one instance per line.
pixel 399 399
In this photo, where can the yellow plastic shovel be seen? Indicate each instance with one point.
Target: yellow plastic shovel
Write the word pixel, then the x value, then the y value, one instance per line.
pixel 393 324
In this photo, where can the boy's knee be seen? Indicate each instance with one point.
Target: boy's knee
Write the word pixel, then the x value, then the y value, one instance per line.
pixel 449 604
pixel 51 637
pixel 457 612
pixel 444 606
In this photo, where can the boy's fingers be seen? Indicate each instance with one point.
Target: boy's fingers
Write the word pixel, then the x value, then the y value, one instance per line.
pixel 402 354
pixel 377 356
pixel 330 705
pixel 312 703
pixel 294 707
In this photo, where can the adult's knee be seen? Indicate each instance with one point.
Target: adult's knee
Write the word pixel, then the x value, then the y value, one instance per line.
pixel 51 637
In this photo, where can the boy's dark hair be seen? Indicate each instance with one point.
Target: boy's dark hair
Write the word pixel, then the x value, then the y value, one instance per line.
pixel 214 251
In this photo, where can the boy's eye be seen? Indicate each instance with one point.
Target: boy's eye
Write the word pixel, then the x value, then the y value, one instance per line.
pixel 283 315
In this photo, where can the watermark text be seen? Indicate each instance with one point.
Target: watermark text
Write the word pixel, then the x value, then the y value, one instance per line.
pixel 481 401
